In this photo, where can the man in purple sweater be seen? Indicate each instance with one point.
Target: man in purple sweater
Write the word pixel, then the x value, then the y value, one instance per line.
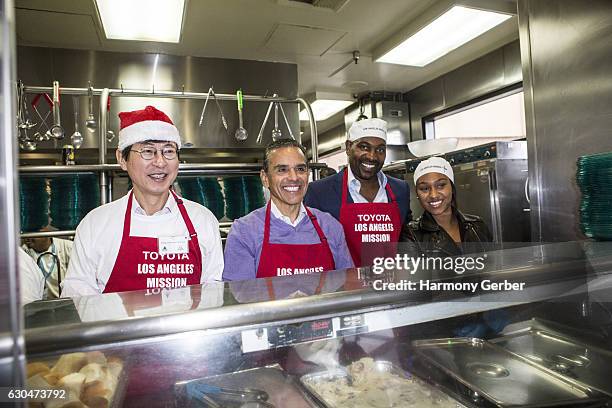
pixel 285 238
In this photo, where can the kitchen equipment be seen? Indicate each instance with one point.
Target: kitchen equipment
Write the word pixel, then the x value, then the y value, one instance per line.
pixel 281 389
pixel 38 137
pixel 263 125
pixel 422 395
pixel 588 365
pixel 499 376
pixel 223 120
pixel 204 108
pixel 110 135
pixel 490 181
pixel 241 133
pixel 280 105
pixel 429 147
pixel 76 138
pixel 276 132
pixel 23 115
pixel 90 123
pixel 57 131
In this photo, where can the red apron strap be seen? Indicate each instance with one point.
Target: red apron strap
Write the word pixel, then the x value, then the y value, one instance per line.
pixel 127 220
pixel 316 225
pixel 344 187
pixel 390 192
pixel 186 219
pixel 266 237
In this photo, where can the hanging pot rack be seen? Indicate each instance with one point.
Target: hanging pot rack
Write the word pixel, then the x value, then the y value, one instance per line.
pixel 103 168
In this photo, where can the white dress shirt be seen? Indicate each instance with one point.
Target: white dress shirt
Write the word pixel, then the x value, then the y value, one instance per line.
pixel 98 238
pixel 277 214
pixel 354 186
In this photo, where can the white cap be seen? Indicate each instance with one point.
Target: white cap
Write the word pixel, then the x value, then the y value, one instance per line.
pixel 368 128
pixel 434 165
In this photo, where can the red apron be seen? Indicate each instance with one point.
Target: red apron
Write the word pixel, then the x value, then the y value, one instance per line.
pixel 371 229
pixel 288 259
pixel 133 268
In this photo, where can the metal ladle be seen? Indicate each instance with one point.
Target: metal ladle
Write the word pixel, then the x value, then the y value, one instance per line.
pixel 110 135
pixel 276 132
pixel 57 131
pixel 241 133
pixel 90 123
pixel 76 138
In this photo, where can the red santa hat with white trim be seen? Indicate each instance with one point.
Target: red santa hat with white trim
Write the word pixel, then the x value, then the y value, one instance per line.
pixel 146 124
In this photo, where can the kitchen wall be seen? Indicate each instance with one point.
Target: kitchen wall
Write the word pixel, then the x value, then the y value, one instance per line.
pixel 491 73
pixel 567 61
pixel 74 68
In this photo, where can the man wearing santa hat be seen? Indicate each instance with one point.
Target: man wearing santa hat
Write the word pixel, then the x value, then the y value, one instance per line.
pixel 150 238
pixel 370 205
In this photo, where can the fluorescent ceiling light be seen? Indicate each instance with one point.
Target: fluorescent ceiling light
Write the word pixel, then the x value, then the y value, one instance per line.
pixel 451 30
pixel 142 20
pixel 324 108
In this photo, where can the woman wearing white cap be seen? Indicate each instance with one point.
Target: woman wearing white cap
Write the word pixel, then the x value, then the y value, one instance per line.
pixel 442 228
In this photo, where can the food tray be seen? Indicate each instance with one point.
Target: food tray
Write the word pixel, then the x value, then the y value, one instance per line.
pixel 379 397
pixel 281 388
pixel 587 365
pixel 501 377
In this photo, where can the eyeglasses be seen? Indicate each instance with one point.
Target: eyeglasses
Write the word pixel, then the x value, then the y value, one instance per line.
pixel 148 153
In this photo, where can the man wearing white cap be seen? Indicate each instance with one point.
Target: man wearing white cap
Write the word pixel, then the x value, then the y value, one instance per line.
pixel 370 205
pixel 150 238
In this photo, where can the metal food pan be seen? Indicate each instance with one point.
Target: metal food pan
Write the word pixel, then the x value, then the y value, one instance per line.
pixel 281 388
pixel 501 377
pixel 587 365
pixel 311 382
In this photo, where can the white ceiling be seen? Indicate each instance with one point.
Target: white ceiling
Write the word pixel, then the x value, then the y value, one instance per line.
pixel 318 40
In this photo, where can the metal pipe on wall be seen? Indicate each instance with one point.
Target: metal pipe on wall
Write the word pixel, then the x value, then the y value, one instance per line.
pixel 314 137
pixel 104 193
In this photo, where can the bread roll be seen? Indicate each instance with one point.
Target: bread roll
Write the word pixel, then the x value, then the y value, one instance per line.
pixel 37 368
pixel 69 363
pixel 95 357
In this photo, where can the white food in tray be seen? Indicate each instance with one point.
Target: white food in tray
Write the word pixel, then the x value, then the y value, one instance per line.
pixel 374 388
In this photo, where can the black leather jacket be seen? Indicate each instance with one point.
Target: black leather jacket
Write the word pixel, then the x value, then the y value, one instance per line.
pixel 424 236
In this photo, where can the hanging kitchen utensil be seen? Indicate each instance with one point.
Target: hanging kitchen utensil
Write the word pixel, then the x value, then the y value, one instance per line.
pixel 223 120
pixel 90 123
pixel 76 138
pixel 43 121
pixel 263 125
pixel 204 108
pixel 361 116
pixel 110 135
pixel 280 105
pixel 276 132
pixel 57 131
pixel 241 133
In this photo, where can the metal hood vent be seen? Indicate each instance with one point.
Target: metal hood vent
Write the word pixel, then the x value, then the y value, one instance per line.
pixel 334 5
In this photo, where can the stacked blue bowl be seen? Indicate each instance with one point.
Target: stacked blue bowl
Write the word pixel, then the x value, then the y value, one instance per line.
pixel 243 194
pixel 203 190
pixel 33 203
pixel 594 178
pixel 72 197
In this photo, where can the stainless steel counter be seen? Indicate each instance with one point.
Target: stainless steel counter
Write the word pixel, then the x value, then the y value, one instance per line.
pixel 548 272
